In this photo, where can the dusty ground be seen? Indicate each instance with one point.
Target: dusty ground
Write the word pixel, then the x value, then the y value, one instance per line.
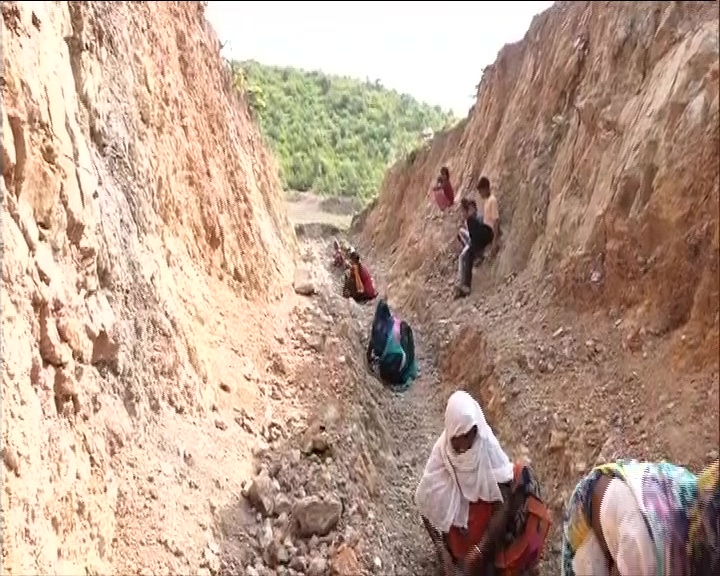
pixel 561 390
pixel 306 208
pixel 186 512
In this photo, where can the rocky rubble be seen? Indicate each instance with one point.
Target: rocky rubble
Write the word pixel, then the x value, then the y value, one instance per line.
pixel 314 483
pixel 594 332
pixel 332 489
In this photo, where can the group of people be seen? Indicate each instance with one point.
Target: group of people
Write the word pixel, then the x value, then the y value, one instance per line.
pixel 480 232
pixel 478 235
pixel 486 516
pixel 391 347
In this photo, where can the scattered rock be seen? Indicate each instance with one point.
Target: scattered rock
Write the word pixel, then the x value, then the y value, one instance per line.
pixel 318 566
pixel 316 516
pixel 315 440
pixel 344 562
pixel 303 281
pixel 11 460
pixel 261 493
pixel 282 504
pixel 557 440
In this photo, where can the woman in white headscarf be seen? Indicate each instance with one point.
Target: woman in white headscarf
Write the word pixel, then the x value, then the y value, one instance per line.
pixel 483 512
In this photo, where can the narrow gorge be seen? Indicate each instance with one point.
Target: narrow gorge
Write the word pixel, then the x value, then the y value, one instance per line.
pixel 171 404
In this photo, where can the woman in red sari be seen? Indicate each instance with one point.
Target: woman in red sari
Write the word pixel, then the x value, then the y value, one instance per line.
pixel 443 191
pixel 359 284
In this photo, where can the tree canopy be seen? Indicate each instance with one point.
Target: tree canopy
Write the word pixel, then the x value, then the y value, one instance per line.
pixel 334 135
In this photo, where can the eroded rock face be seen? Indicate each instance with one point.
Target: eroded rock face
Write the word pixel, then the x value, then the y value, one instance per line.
pixel 128 164
pixel 599 133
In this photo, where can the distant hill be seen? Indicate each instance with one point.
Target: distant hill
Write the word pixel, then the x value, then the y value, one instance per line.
pixel 334 135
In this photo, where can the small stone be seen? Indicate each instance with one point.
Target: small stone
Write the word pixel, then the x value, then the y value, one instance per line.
pixel 557 440
pixel 316 516
pixel 260 448
pixel 318 567
pixel 282 504
pixel 344 562
pixel 260 494
pixel 303 282
pixel 11 460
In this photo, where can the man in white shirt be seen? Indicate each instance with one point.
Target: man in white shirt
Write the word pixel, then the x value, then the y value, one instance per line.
pixel 490 213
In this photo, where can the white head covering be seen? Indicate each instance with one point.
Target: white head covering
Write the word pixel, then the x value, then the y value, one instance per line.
pixel 452 481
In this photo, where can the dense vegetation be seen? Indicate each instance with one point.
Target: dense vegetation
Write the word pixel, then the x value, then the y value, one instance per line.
pixel 333 135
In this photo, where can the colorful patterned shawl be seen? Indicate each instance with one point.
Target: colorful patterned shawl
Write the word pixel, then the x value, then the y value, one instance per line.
pixel 667 496
pixel 704 543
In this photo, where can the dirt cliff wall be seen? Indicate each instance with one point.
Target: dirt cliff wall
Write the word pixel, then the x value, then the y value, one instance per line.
pixel 599 132
pixel 136 195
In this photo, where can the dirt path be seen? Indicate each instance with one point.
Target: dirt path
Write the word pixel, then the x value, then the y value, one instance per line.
pixel 561 390
pixel 296 406
pixel 397 540
pixel 306 208
pixel 415 420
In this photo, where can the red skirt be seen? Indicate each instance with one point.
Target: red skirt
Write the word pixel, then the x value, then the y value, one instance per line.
pixel 524 552
pixel 442 200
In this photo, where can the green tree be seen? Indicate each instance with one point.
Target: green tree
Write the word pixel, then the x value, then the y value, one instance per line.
pixel 333 135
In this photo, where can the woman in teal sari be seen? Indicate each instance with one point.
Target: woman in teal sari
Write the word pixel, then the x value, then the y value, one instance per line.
pixel 391 350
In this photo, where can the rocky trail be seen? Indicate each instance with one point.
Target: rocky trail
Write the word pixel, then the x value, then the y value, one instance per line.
pixel 312 472
pixel 369 459
pixel 306 464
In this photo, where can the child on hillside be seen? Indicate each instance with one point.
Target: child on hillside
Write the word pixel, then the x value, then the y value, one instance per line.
pixel 443 191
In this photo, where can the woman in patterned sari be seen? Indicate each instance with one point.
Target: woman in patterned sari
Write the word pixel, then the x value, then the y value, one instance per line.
pixel 633 518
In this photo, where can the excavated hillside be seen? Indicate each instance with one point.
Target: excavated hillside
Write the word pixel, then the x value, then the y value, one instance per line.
pixel 143 236
pixel 594 331
pixel 599 132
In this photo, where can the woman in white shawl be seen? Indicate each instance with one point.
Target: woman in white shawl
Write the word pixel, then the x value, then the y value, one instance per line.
pixel 482 512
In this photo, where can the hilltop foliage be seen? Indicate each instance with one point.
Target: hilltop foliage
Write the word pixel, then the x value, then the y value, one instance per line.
pixel 334 135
